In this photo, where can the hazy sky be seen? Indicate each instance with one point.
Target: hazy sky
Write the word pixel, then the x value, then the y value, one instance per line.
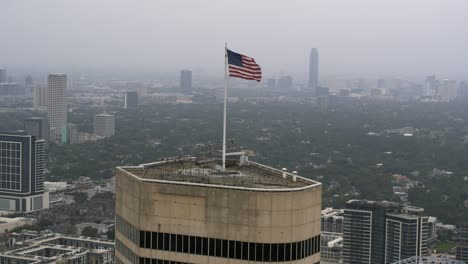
pixel 402 37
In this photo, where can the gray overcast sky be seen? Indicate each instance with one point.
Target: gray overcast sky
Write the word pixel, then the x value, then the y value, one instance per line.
pixel 405 37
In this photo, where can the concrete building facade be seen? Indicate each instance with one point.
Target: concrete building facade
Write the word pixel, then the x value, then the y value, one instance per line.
pixel 188 211
pixel 104 125
pixel 57 106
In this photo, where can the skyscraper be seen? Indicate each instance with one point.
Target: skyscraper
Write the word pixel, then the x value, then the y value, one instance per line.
pixel 3 76
pixel 57 106
pixel 22 168
pixel 131 99
pixel 28 81
pixel 71 134
pixel 313 69
pixel 383 232
pixel 271 84
pixel 38 127
pixel 186 81
pixel 104 125
pixel 188 211
pixel 285 83
pixel 39 97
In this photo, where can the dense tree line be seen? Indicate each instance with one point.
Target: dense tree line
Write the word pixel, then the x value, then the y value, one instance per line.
pixel 330 143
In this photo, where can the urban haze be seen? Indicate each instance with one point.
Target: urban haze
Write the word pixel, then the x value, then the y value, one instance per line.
pixel 192 132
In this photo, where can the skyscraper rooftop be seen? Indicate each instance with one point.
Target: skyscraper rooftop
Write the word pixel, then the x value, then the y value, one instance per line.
pixel 207 172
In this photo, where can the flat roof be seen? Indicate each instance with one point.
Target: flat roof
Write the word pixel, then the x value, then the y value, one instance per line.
pixel 246 175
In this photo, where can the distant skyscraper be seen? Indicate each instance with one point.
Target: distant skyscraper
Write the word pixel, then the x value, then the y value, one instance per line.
pixel 28 81
pixel 430 87
pixel 271 84
pixel 186 81
pixel 39 97
pixel 71 134
pixel 381 83
pixel 383 232
pixel 57 106
pixel 22 168
pixel 104 125
pixel 463 90
pixel 285 83
pixel 38 127
pixel 313 69
pixel 3 76
pixel 131 99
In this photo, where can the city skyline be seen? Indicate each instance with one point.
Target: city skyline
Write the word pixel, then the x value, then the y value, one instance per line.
pixel 354 42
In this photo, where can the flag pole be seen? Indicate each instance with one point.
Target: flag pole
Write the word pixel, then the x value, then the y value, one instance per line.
pixel 225 104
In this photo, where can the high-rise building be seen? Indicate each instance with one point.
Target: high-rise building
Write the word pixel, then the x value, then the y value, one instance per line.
pixel 271 84
pixel 38 127
pixel 381 83
pixel 463 91
pixel 332 220
pixel 39 97
pixel 285 83
pixel 57 106
pixel 189 211
pixel 71 134
pixel 383 232
pixel 22 168
pixel 186 81
pixel 462 245
pixel 447 90
pixel 131 99
pixel 313 69
pixel 3 76
pixel 406 235
pixel 430 87
pixel 104 125
pixel 28 81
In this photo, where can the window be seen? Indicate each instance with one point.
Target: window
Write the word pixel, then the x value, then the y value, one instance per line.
pixel 252 251
pixel 205 246
pixel 147 239
pixel 154 240
pixel 179 243
pixel 142 239
pixel 232 249
pixel 192 245
pixel 294 251
pixel 173 242
pixel 161 241
pixel 238 246
pixel 287 252
pixel 274 252
pixel 224 248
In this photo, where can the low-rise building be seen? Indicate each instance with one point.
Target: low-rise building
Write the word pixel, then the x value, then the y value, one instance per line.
pixel 32 247
pixel 7 224
pixel 331 248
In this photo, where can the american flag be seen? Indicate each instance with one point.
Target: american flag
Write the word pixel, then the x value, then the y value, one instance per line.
pixel 243 67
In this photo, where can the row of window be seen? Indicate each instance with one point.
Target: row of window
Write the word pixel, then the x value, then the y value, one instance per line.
pixel 125 251
pixel 127 229
pixel 268 252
